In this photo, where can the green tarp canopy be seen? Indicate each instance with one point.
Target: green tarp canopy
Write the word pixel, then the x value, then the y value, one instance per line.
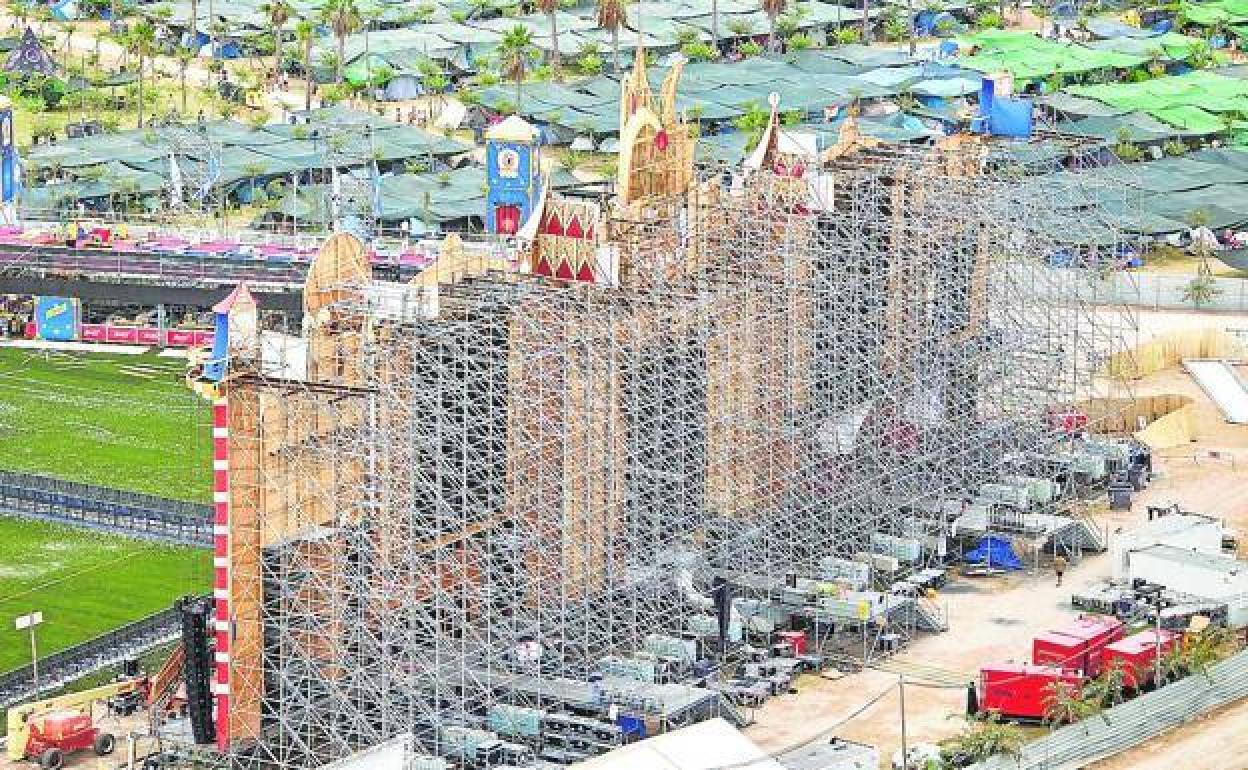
pixel 128 146
pixel 1214 12
pixel 819 61
pixel 1183 101
pixel 430 198
pixel 1170 46
pixel 1136 127
pixel 1203 88
pixel 1078 106
pixel 1029 57
pixel 1192 120
pixel 1232 157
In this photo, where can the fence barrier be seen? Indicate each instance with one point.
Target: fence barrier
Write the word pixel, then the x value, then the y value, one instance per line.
pixel 73 663
pixel 113 510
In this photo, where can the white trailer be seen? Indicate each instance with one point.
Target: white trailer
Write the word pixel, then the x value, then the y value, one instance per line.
pixel 1181 530
pixel 1211 577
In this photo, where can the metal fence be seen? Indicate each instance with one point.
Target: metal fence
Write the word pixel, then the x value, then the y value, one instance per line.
pixel 61 668
pixel 1133 722
pixel 113 510
pixel 1160 291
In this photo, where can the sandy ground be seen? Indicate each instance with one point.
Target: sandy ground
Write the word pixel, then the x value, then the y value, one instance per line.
pixel 994 620
pixel 1216 742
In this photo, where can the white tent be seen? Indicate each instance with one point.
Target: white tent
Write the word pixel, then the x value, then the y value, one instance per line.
pixel 704 746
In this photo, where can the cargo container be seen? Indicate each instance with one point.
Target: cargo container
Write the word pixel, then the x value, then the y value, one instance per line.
pixel 1079 645
pixel 1137 655
pixel 1021 691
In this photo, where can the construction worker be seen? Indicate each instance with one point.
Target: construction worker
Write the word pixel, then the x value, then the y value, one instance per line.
pixel 1059 566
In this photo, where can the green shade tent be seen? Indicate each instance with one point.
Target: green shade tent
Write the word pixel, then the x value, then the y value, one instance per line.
pixel 1188 102
pixel 1169 46
pixel 1029 57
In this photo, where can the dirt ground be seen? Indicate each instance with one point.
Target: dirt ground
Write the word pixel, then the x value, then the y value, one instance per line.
pixel 993 620
pixel 120 728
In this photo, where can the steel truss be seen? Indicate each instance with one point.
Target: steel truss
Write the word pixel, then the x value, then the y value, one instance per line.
pixel 794 366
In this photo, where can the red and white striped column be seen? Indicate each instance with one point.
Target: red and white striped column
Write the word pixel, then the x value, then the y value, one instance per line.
pixel 221 565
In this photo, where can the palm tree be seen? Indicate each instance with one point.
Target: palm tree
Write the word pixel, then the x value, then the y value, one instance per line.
pixel 611 17
pixel 184 56
pixel 773 9
pixel 550 7
pixel 98 36
pixel 515 51
pixel 141 40
pixel 343 18
pixel 715 26
pixel 279 12
pixel 305 33
pixel 194 23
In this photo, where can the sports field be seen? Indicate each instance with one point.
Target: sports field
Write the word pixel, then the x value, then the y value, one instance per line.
pixel 118 421
pixel 85 583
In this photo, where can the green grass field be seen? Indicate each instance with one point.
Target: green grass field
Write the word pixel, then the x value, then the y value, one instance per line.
pixel 85 583
pixel 120 421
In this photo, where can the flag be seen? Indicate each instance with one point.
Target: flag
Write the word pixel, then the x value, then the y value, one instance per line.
pixel 175 181
pixel 376 191
pixel 335 193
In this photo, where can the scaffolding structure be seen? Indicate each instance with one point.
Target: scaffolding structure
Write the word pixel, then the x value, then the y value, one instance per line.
pixel 477 493
pixel 195 169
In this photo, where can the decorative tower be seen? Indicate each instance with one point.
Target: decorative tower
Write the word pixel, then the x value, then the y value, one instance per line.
pixel 513 175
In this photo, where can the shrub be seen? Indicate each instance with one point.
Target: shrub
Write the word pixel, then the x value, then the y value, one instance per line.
pixel 799 42
pixel 847 35
pixel 749 48
pixel 699 51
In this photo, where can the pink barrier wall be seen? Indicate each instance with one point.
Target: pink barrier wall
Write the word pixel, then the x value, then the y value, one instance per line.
pixel 127 335
pixel 135 335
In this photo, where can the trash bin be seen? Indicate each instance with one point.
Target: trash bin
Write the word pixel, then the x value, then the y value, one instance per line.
pixel 1120 496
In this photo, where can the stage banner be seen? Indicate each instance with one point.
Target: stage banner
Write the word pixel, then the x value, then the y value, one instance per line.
pixel 56 318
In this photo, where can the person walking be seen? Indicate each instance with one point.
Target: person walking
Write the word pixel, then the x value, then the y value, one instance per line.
pixel 1059 567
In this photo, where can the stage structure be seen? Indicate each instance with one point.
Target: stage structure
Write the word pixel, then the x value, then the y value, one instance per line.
pixel 479 491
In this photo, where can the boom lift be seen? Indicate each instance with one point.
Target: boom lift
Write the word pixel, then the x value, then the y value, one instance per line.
pixel 48 730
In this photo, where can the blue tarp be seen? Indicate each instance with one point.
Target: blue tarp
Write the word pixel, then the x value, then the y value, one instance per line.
pixel 1010 117
pixel 403 87
pixel 994 552
pixel 925 22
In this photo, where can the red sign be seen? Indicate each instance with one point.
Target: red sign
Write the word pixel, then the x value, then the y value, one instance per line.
pixel 175 338
pixel 149 336
pixel 93 333
pixel 30 330
pixel 121 334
